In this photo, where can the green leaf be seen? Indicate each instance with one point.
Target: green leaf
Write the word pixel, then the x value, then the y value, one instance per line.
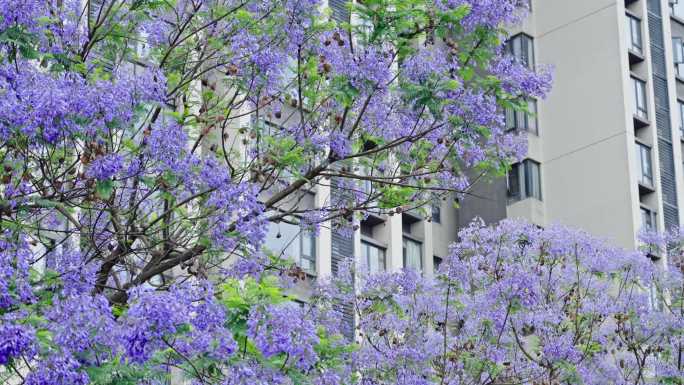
pixel 104 189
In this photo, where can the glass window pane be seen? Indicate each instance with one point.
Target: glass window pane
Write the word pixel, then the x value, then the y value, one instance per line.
pixel 529 59
pixel 373 256
pixel 648 221
pixel 678 55
pixel 510 119
pixel 645 165
pixel 289 241
pixel 640 98
pixel 677 8
pixel 517 48
pixel 681 117
pixel 437 262
pixel 413 255
pixel 532 117
pixel 282 239
pixel 634 29
pixel 532 180
pixel 521 47
pixel 437 212
pixel 514 182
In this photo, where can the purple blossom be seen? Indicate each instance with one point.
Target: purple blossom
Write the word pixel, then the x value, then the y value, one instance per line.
pixel 105 166
pixel 15 341
pixel 58 370
pixel 285 329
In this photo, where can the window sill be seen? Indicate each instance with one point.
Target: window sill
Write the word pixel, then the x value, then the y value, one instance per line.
pixel 646 189
pixel 374 219
pixel 635 56
pixel 678 19
pixel 516 200
pixel 412 216
pixel 640 122
pixel 413 238
pixel 519 130
pixel 374 242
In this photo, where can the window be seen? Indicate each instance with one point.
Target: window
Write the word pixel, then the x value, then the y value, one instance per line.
pixel 640 109
pixel 436 262
pixel 366 185
pixel 437 212
pixel 373 256
pixel 413 254
pixel 678 55
pixel 521 48
pixel 286 240
pixel 634 30
pixel 524 181
pixel 523 120
pixel 655 298
pixel 645 165
pixel 680 106
pixel 677 8
pixel 648 220
pixel 514 188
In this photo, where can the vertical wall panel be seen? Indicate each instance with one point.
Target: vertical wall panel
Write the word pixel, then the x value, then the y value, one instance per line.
pixel 662 115
pixel 342 249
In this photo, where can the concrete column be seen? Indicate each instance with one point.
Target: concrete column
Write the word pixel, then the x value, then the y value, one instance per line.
pixel 395 254
pixel 428 250
pixel 324 240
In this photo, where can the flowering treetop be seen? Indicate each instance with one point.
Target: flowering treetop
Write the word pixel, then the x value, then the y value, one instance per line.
pixel 145 142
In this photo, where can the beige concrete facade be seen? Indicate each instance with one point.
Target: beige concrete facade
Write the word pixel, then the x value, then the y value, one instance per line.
pixel 587 133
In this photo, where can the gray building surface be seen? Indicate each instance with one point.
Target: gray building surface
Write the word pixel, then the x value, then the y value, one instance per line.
pixel 605 152
pixel 605 146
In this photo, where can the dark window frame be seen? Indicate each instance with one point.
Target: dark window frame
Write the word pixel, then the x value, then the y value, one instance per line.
pixel 523 120
pixel 634 29
pixel 526 54
pixel 404 241
pixel 436 212
pixel 645 162
pixel 525 181
pixel 652 215
pixel 310 257
pixel 366 245
pixel 678 56
pixel 680 106
pixel 640 95
pixel 677 8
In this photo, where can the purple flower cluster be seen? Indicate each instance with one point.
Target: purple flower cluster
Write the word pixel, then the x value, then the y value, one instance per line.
pixel 285 330
pixel 19 13
pixel 15 340
pixel 81 103
pixel 105 167
pixel 15 262
pixel 57 370
pixel 154 318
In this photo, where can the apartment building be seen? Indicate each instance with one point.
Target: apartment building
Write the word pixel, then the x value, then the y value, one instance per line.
pixel 418 239
pixel 605 152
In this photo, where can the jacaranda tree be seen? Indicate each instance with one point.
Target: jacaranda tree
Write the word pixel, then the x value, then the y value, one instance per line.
pixel 515 304
pixel 147 144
